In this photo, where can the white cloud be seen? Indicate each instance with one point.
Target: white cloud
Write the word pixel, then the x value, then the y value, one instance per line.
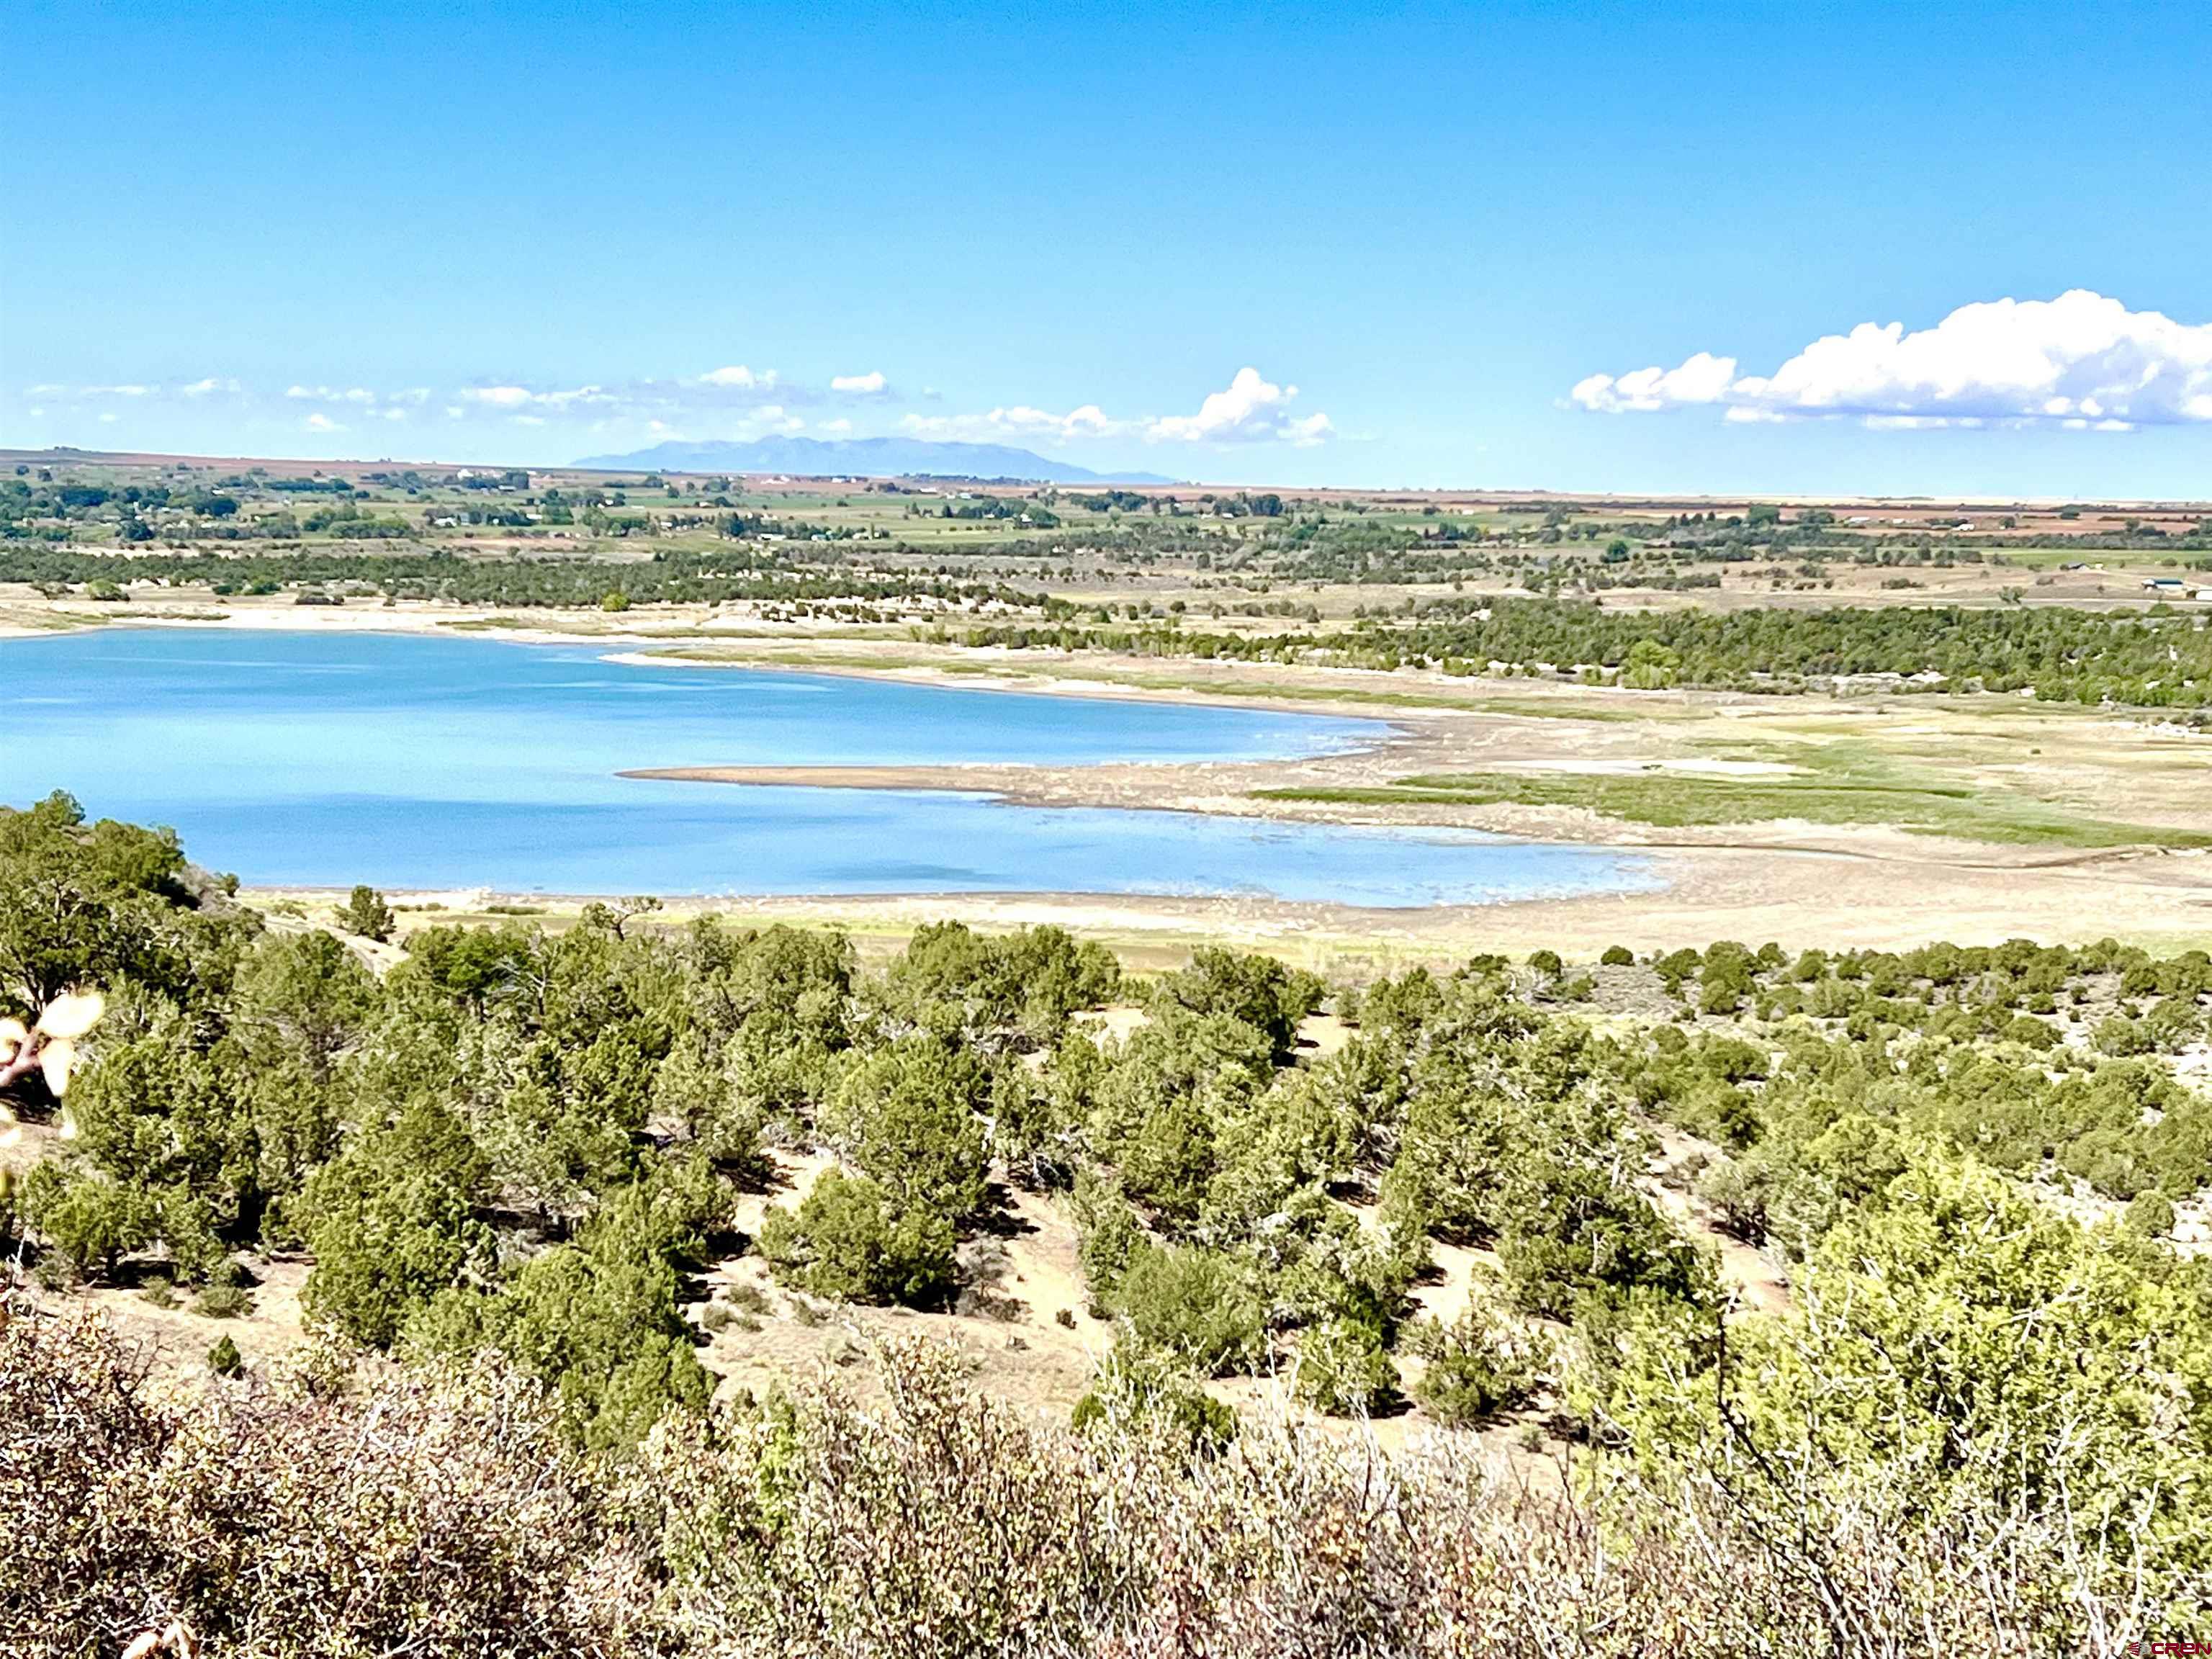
pixel 511 399
pixel 71 392
pixel 1250 410
pixel 2082 362
pixel 1703 379
pixel 733 385
pixel 737 377
pixel 1017 420
pixel 739 400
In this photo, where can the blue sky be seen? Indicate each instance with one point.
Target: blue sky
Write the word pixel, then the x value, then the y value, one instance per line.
pixel 316 229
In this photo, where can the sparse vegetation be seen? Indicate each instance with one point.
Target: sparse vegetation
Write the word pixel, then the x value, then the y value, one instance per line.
pixel 509 1155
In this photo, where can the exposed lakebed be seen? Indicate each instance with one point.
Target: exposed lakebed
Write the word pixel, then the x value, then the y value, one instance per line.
pixel 298 758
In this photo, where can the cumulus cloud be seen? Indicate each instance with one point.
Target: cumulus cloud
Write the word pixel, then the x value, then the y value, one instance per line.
pixel 1702 378
pixel 1016 421
pixel 2083 361
pixel 737 376
pixel 870 385
pixel 560 400
pixel 1250 410
pixel 319 422
pixel 502 396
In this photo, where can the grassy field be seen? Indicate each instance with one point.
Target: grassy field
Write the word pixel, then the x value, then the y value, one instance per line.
pixel 1676 802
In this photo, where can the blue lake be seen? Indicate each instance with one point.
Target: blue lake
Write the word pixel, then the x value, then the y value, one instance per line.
pixel 414 762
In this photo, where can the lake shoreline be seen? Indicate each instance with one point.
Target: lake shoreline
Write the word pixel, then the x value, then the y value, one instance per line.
pixel 1875 885
pixel 1798 897
pixel 403 758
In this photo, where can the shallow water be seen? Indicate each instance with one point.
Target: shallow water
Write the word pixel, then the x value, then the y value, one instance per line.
pixel 422 762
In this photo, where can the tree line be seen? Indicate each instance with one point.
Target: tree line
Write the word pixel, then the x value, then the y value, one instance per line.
pixel 2159 659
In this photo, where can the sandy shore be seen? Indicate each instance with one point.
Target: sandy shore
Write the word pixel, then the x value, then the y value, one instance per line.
pixel 1798 897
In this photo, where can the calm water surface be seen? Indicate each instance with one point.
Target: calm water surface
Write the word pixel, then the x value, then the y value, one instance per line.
pixel 416 762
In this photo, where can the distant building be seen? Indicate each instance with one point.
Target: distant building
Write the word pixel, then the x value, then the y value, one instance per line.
pixel 2170 585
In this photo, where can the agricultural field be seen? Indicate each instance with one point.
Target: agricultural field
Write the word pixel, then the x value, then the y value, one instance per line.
pixel 1256 562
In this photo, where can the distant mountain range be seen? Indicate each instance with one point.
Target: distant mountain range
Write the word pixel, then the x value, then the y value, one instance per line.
pixel 863 458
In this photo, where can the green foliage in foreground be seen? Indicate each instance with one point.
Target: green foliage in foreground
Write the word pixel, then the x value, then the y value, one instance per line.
pixel 510 1154
pixel 452 1516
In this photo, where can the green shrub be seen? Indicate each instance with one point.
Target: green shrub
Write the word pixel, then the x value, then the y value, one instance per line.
pixel 908 1115
pixel 1741 1191
pixel 365 913
pixel 1479 1367
pixel 1343 1370
pixel 2149 1215
pixel 1194 1303
pixel 848 1240
pixel 391 1221
pixel 223 1302
pixel 89 1221
pixel 595 1319
pixel 1258 990
pixel 2120 1035
pixel 1135 1384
